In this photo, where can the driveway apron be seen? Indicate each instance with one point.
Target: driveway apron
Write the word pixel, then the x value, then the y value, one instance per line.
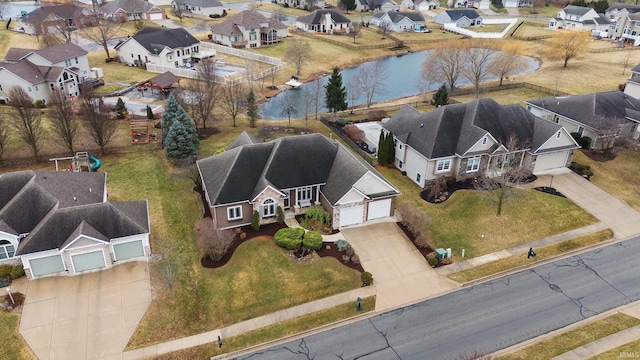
pixel 401 275
pixel 89 316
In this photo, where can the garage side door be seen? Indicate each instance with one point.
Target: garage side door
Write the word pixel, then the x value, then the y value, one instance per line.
pixel 351 215
pixel 88 261
pixel 128 250
pixel 46 265
pixel 550 161
pixel 379 209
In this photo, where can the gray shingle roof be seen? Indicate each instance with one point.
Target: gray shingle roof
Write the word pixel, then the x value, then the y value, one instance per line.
pixel 593 110
pixel 399 16
pixel 458 14
pixel 576 10
pixel 249 19
pixel 64 11
pixel 454 129
pixel 62 52
pixel 316 16
pixel 130 6
pixel 636 68
pixel 201 3
pixel 629 7
pixel 243 139
pixel 155 38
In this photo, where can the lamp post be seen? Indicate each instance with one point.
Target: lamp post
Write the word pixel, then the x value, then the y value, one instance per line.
pixel 10 296
pixel 359 308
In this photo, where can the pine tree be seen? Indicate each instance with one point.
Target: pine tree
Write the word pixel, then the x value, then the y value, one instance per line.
pixel 179 143
pixel 441 97
pixel 174 112
pixel 121 108
pixel 252 109
pixel 336 94
pixel 391 149
pixel 382 149
pixel 150 115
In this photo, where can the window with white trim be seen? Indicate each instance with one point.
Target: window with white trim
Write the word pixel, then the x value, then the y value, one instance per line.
pixel 6 249
pixel 268 208
pixel 443 165
pixel 473 164
pixel 234 213
pixel 303 194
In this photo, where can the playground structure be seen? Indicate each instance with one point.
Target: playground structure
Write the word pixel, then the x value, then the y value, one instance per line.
pixel 80 162
pixel 140 132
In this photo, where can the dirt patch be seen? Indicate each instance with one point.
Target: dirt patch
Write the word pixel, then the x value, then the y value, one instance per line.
pixel 549 190
pixel 206 210
pixel 600 156
pixel 9 305
pixel 206 133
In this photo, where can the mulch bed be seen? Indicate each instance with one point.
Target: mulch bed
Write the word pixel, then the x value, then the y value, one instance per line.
pixel 8 306
pixel 327 231
pixel 206 210
pixel 424 250
pixel 467 184
pixel 549 190
pixel 329 249
pixel 599 156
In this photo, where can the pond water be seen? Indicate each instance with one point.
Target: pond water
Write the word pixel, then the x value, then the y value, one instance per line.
pixel 402 78
pixel 13 9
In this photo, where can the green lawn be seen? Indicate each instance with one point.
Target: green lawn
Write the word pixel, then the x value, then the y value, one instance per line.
pixel 462 220
pixel 13 345
pixel 570 340
pixel 615 354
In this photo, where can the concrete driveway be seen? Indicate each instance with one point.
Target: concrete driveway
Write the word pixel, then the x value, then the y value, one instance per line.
pixel 401 275
pixel 90 316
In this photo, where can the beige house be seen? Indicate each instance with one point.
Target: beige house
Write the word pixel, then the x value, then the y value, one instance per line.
pixel 249 29
pixel 130 10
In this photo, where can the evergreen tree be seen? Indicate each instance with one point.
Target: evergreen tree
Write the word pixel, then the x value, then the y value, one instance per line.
pixel 382 149
pixel 150 115
pixel 441 97
pixel 174 112
pixel 348 5
pixel 336 94
pixel 252 109
pixel 391 149
pixel 179 143
pixel 121 108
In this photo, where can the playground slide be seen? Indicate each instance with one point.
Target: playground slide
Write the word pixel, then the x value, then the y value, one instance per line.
pixel 95 163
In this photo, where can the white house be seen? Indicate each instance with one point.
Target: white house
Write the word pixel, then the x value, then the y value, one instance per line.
pixel 618 14
pixel 421 5
pixel 517 3
pixel 200 7
pixel 462 18
pixel 309 4
pixel 60 223
pixel 249 29
pixel 324 21
pixel 399 21
pixel 377 5
pixel 476 139
pixel 160 46
pixel 68 55
pixel 580 18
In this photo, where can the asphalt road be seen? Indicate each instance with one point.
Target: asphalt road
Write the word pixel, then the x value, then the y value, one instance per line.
pixel 486 317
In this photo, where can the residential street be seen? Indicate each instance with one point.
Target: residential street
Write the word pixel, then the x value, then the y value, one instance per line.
pixel 486 317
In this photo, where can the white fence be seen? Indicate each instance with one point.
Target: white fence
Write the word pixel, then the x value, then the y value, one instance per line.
pixel 483 35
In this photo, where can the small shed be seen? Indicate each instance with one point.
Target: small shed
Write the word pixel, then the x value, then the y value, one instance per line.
pixel 163 82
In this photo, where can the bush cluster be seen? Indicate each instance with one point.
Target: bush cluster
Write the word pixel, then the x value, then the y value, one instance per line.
pixel 367 278
pixel 289 238
pixel 584 170
pixel 312 240
pixel 11 271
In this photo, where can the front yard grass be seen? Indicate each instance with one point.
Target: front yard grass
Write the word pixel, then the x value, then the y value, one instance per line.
pixel 516 261
pixel 570 340
pixel 13 345
pixel 619 177
pixel 461 221
pixel 631 348
pixel 272 332
pixel 526 30
pixel 504 97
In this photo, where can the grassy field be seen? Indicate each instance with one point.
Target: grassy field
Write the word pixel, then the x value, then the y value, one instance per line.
pixel 619 177
pixel 526 30
pixel 572 339
pixel 13 345
pixel 272 332
pixel 520 260
pixel 528 215
pixel 514 96
pixel 615 354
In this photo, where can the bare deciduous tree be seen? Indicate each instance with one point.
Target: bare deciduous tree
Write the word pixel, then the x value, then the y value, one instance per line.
pixel 63 122
pixel 308 98
pixel 385 27
pixel 428 76
pixel 479 63
pixel 103 31
pixel 447 62
pixel 567 46
pixel 26 120
pixel 416 221
pixel 287 104
pixel 371 77
pixel 176 10
pixel 508 61
pixel 4 136
pixel 233 96
pixel 315 90
pixel 354 91
pixel 215 243
pixel 355 31
pixel 298 52
pixel 278 15
pixel 49 40
pixel 200 94
pixel 96 117
pixel 626 60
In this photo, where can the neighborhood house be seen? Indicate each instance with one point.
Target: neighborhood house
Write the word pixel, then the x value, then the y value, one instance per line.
pixel 200 7
pixel 61 223
pixel 249 29
pixel 478 138
pixel 399 21
pixel 292 173
pixel 580 18
pixel 462 18
pixel 324 21
pixel 130 10
pixel 159 46
pixel 57 19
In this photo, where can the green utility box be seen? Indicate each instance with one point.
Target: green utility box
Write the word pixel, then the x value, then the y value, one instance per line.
pixel 441 253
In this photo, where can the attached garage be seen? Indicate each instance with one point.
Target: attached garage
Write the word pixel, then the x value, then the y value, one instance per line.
pixel 551 161
pixel 351 215
pixel 379 209
pixel 155 16
pixel 46 265
pixel 88 261
pixel 128 250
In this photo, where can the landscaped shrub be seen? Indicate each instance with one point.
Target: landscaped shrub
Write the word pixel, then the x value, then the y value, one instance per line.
pixel 576 136
pixel 5 270
pixel 40 104
pixel 312 240
pixel 289 238
pixel 585 142
pixel 342 245
pixel 16 271
pixel 432 261
pixel 580 169
pixel 367 278
pixel 215 243
pixel 280 215
pixel 4 282
pixel 214 16
pixel 319 214
pixel 376 115
pixel 255 221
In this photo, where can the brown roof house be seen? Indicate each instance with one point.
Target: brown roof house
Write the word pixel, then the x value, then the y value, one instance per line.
pixel 249 29
pixel 130 10
pixel 55 19
pixel 60 223
pixel 293 173
pixel 200 7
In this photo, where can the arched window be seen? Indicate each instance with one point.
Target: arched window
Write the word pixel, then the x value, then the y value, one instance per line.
pixel 268 208
pixel 6 250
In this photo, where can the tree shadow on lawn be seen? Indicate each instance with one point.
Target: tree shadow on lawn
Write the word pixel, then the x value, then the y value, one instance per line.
pixel 328 249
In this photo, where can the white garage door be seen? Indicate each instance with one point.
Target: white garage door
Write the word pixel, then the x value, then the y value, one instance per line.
pixel 46 265
pixel 379 209
pixel 351 215
pixel 128 250
pixel 155 16
pixel 550 161
pixel 88 261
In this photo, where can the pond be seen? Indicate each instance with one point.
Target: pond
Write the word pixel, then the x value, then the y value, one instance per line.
pixel 14 9
pixel 401 79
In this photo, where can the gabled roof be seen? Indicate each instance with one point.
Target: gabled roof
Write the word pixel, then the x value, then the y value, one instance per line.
pixel 631 8
pixel 458 14
pixel 376 3
pixel 164 80
pixel 576 10
pixel 243 139
pixel 64 11
pixel 636 68
pixel 155 39
pixel 201 3
pixel 454 129
pixel 594 110
pixel 131 6
pixel 31 73
pixel 396 16
pixel 242 172
pixel 316 16
pixel 53 54
pixel 248 19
